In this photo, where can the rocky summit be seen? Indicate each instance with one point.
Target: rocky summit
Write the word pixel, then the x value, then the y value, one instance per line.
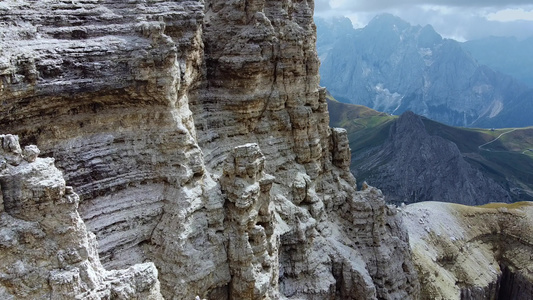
pixel 195 138
pixel 412 166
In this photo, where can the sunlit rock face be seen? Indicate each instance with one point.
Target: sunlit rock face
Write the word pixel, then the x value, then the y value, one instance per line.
pixel 464 252
pixel 197 138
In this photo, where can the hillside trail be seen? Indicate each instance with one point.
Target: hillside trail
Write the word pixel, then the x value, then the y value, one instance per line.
pixel 480 147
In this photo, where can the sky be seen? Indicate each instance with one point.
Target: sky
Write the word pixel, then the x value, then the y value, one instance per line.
pixel 458 19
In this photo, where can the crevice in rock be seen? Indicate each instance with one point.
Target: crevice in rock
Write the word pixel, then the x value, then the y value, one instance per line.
pixel 510 285
pixel 513 286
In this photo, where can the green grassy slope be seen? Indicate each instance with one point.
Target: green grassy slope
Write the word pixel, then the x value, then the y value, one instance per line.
pixel 506 155
pixel 366 127
pixel 507 160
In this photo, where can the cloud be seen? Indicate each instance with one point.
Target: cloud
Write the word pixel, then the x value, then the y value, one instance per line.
pixel 322 6
pixel 510 15
pixel 378 5
pixel 458 19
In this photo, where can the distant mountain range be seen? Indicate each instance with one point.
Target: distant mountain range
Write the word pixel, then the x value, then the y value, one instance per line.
pixel 505 54
pixel 393 67
pixel 412 158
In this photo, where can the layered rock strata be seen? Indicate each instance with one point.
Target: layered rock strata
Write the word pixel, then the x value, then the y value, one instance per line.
pixel 252 248
pixel 108 99
pixel 45 248
pixel 167 117
pixel 464 252
pixel 261 79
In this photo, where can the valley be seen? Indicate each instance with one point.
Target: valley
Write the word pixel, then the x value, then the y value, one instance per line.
pixel 502 155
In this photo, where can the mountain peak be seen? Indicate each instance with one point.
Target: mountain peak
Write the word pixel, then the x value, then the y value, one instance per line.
pixel 409 122
pixel 334 22
pixel 392 66
pixel 388 20
pixel 412 165
pixel 428 37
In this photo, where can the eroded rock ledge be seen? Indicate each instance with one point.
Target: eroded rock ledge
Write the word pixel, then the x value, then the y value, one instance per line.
pixel 197 137
pixel 46 251
pixel 464 252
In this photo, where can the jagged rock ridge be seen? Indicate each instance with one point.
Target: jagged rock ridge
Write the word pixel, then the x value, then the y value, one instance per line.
pixel 413 166
pixel 197 138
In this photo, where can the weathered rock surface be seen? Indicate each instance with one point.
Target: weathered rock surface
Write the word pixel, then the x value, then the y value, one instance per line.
pixel 269 48
pixel 46 251
pixel 464 252
pixel 108 100
pixel 252 247
pixel 198 138
pixel 413 166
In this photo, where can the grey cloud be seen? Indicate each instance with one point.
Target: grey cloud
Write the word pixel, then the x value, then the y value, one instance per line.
pixel 461 19
pixel 376 5
pixel 465 23
pixel 322 5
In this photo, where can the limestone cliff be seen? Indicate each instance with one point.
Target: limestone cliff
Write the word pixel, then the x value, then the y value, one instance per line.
pixel 466 252
pixel 46 251
pixel 197 138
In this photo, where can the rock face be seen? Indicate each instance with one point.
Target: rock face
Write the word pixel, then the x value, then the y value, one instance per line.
pixel 197 137
pixel 45 248
pixel 393 67
pixel 249 220
pixel 465 252
pixel 413 166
